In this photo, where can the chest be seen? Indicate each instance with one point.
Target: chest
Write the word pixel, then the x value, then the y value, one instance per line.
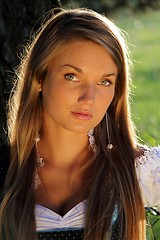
pixel 58 191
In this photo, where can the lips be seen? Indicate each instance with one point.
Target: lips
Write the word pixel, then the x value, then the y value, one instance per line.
pixel 82 115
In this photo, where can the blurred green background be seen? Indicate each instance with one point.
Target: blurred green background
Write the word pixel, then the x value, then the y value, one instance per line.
pixel 139 18
pixel 144 37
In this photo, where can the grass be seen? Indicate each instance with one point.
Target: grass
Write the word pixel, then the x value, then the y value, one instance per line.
pixel 144 37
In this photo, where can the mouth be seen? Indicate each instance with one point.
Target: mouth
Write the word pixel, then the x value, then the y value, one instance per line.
pixel 82 115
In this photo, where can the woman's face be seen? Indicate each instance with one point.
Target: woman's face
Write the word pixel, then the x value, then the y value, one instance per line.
pixel 79 87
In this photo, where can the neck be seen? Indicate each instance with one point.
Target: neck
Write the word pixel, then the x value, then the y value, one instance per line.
pixel 63 148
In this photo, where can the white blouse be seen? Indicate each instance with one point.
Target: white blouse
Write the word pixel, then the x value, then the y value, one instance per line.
pixel 148 174
pixel 46 219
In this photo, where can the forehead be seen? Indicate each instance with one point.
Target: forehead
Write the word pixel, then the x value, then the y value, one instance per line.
pixel 85 53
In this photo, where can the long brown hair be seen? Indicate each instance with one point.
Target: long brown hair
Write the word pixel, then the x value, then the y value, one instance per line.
pixel 114 181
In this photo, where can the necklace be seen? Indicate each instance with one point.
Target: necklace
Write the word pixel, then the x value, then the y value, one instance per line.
pixel 40 164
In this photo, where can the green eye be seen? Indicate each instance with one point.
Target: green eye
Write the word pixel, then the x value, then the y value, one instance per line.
pixel 70 77
pixel 104 83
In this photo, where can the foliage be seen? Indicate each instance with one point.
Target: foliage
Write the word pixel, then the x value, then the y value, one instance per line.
pixel 17 19
pixel 106 6
pixel 144 38
pixel 152 224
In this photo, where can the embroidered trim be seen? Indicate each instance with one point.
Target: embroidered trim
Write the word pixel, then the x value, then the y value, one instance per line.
pixel 153 152
pixel 141 159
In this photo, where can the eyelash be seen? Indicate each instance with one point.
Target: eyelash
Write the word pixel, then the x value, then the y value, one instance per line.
pixel 67 75
pixel 105 85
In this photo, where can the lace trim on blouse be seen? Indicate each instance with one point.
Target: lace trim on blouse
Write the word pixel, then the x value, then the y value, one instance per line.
pixel 148 174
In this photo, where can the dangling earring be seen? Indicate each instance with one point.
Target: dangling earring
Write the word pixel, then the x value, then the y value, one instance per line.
pixel 91 139
pixel 40 86
pixel 40 163
pixel 109 145
pixel 40 160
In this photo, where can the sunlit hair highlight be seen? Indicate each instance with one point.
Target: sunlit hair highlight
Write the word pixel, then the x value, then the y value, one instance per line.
pixel 113 180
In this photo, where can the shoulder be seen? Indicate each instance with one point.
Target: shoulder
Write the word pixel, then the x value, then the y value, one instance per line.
pixel 148 174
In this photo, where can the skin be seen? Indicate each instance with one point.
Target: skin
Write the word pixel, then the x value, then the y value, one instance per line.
pixel 77 80
pixel 76 93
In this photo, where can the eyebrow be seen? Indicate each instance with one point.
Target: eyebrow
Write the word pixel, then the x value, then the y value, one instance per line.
pixel 75 68
pixel 80 70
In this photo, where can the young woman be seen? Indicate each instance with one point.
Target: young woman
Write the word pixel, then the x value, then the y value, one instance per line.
pixel 76 169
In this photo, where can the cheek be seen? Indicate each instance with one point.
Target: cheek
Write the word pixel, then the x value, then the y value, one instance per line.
pixel 55 97
pixel 105 99
pixel 49 96
pixel 102 106
pixel 103 103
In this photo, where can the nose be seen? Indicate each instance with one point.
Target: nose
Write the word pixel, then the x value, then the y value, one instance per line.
pixel 87 95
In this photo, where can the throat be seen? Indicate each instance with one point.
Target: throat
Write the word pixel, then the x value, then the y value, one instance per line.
pixel 62 186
